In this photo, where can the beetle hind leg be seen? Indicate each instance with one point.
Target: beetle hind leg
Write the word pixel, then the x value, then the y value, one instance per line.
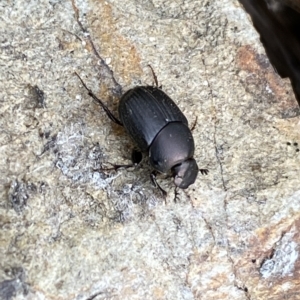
pixel 105 108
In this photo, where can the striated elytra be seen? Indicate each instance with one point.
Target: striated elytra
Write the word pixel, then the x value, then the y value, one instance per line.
pixel 158 126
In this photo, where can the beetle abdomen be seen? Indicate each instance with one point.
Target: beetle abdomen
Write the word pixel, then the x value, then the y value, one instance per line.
pixel 173 145
pixel 145 111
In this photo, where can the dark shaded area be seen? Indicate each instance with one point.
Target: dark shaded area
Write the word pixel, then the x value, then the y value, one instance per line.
pixel 136 156
pixel 10 288
pixel 278 23
pixel 7 289
pixel 37 97
pixel 19 194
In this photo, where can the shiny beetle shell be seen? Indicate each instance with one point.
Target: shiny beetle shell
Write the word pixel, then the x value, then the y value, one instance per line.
pixel 157 125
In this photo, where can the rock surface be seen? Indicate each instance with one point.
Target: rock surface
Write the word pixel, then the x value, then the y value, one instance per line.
pixel 72 231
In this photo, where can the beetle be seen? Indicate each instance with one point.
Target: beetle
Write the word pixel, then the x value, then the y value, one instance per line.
pixel 158 127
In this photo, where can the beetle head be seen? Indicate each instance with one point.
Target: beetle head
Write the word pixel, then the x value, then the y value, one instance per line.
pixel 185 173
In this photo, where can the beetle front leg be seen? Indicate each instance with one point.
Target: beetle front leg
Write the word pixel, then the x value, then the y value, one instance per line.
pixel 108 112
pixel 155 183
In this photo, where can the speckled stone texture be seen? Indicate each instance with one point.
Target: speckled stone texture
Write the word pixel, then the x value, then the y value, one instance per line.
pixel 70 230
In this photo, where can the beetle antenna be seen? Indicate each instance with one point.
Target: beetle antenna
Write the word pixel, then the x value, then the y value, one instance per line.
pixel 108 112
pixel 154 75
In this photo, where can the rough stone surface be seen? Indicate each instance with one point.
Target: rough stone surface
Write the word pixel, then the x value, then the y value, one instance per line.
pixel 72 231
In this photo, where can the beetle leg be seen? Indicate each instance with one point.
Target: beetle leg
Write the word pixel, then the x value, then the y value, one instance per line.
pixel 194 124
pixel 116 167
pixel 203 171
pixel 108 112
pixel 176 194
pixel 154 76
pixel 155 183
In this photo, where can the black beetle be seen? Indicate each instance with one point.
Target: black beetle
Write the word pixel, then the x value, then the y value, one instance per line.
pixel 158 126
